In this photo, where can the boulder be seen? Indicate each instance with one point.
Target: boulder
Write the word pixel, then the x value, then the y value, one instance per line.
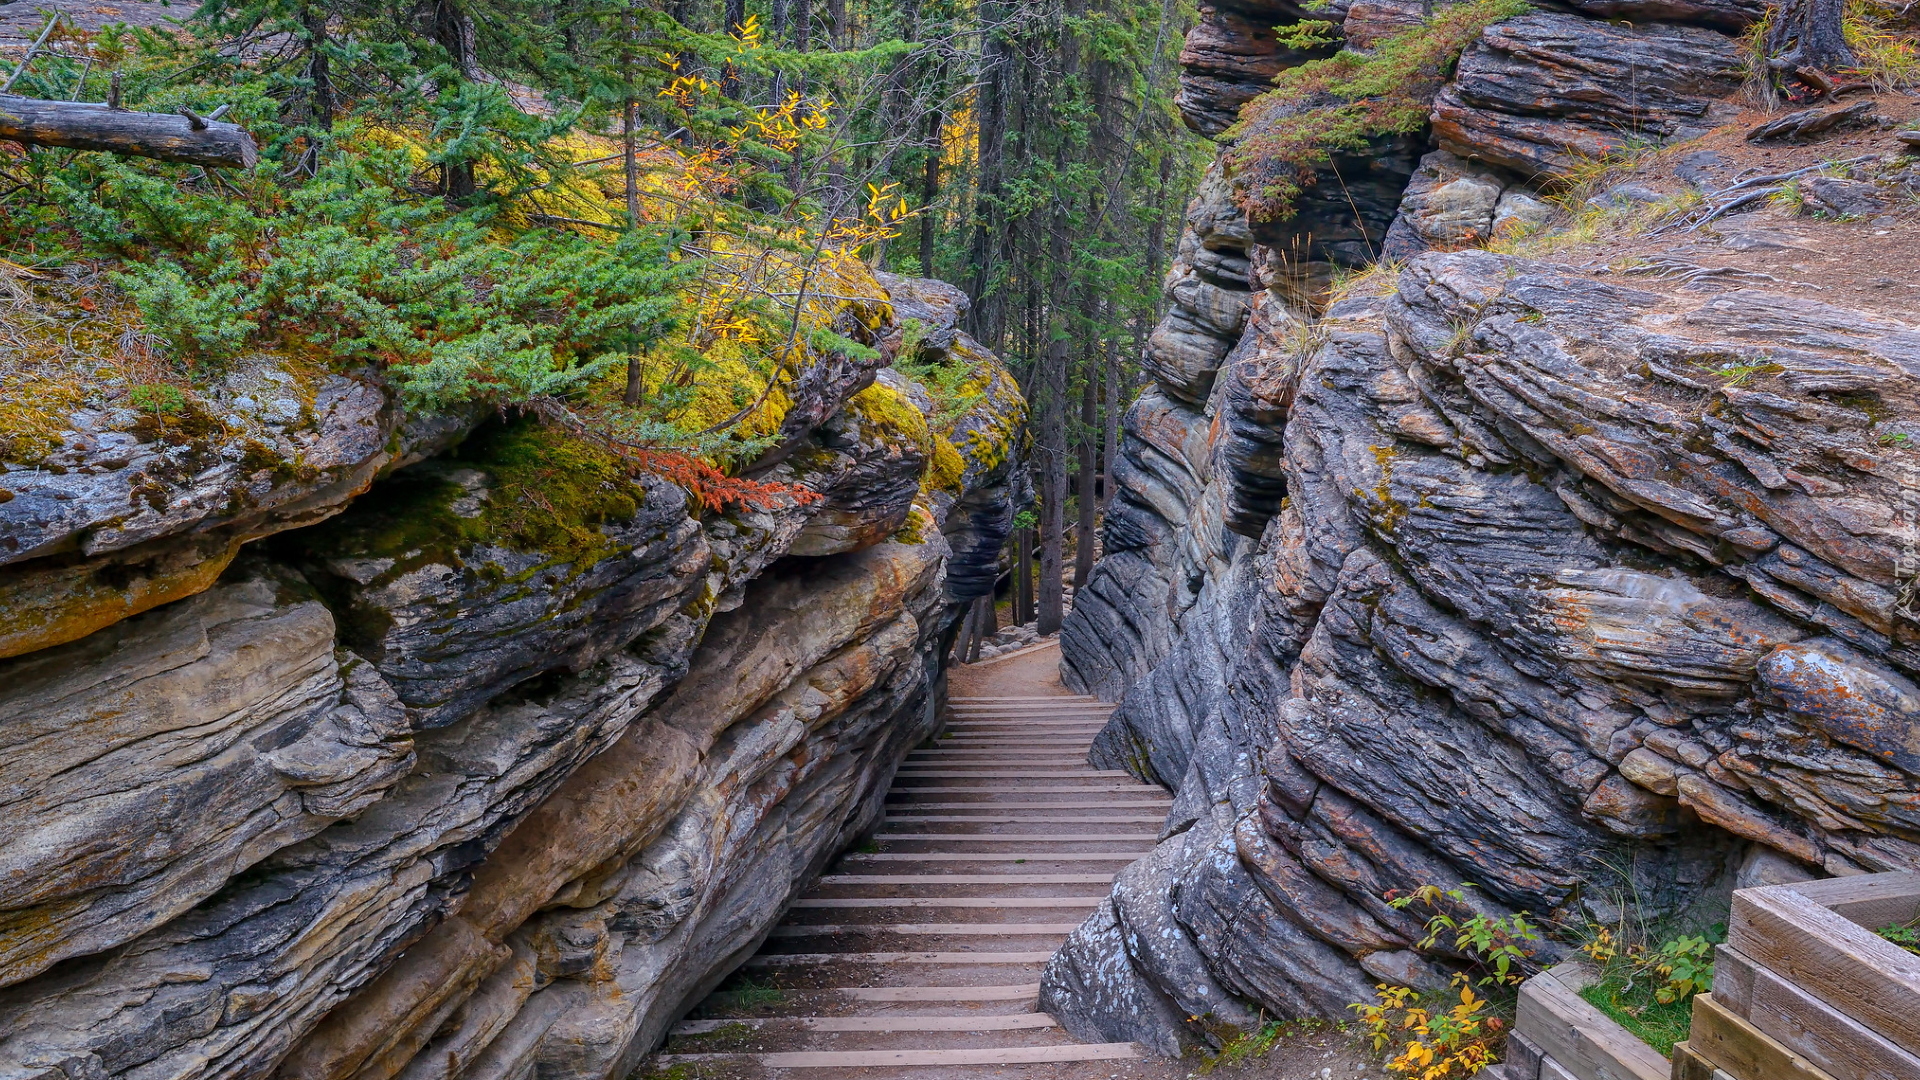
pixel 867 460
pixel 1729 16
pixel 1448 203
pixel 1539 93
pixel 1835 197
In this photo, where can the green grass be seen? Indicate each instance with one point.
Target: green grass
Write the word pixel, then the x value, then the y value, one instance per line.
pixel 1632 1006
pixel 750 993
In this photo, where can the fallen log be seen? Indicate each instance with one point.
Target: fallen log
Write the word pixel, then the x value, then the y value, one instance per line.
pixel 183 136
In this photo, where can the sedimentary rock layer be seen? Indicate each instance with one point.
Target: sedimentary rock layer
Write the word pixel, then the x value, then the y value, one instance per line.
pixel 1539 611
pixel 436 788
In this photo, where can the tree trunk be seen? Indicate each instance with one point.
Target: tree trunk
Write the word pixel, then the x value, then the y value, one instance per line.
pixel 779 17
pixel 1022 577
pixel 736 17
pixel 318 70
pixel 837 24
pixel 985 319
pixel 929 188
pixel 1088 434
pixel 1807 40
pixel 452 29
pixel 1110 448
pixel 1050 455
pixel 79 125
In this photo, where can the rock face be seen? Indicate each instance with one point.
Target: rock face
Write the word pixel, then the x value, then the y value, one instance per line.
pixel 450 787
pixel 1494 571
pixel 1542 92
pixel 1525 618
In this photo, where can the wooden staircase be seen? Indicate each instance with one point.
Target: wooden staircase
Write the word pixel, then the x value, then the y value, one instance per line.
pixel 920 956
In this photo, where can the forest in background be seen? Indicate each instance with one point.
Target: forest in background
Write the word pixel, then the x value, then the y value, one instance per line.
pixel 631 221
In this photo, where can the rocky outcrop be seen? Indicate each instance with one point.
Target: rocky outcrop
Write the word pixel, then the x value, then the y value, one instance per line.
pixel 1495 571
pixel 1543 92
pixel 1230 58
pixel 495 770
pixel 1540 611
pixel 138 506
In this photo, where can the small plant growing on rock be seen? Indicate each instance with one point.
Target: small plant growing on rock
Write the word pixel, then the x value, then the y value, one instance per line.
pixel 1337 105
pixel 1464 1037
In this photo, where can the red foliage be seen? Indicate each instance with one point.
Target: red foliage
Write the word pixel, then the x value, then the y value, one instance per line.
pixel 714 489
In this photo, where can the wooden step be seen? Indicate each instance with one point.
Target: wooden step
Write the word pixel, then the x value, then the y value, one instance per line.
pixel 1001 754
pixel 995 856
pixel 1158 799
pixel 1008 838
pixel 1021 992
pixel 1049 697
pixel 939 958
pixel 857 1059
pixel 951 902
pixel 967 879
pixel 1022 790
pixel 927 929
pixel 994 1022
pixel 1001 771
pixel 1024 819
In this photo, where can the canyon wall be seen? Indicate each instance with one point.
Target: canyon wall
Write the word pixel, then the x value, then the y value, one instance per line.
pixel 326 758
pixel 1500 569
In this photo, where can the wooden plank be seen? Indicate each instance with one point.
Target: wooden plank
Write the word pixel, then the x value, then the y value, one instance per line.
pixel 997 856
pixel 1869 900
pixel 967 879
pixel 964 929
pixel 942 958
pixel 1153 800
pixel 1022 992
pixel 1859 973
pixel 1022 790
pixel 969 700
pixel 1017 819
pixel 1742 1050
pixel 990 1022
pixel 1580 1037
pixel 1689 1065
pixel 867 1059
pixel 1733 980
pixel 1010 838
pixel 1817 1031
pixel 1000 769
pixel 952 902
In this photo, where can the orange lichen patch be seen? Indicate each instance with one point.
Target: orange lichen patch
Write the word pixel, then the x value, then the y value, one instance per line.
pixel 46 606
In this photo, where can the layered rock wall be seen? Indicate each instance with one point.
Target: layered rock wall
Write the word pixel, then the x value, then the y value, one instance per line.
pixel 1477 576
pixel 429 786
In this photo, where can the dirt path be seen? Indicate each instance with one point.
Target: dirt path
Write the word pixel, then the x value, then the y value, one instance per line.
pixel 919 956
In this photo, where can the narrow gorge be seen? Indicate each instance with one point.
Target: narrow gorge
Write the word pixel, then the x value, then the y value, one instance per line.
pixel 1569 552
pixel 471 562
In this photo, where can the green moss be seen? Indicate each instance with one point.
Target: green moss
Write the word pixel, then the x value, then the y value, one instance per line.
pixel 894 417
pixel 946 469
pixel 547 494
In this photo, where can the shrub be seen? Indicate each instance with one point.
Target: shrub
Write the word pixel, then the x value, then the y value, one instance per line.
pixel 1466 1036
pixel 1340 104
